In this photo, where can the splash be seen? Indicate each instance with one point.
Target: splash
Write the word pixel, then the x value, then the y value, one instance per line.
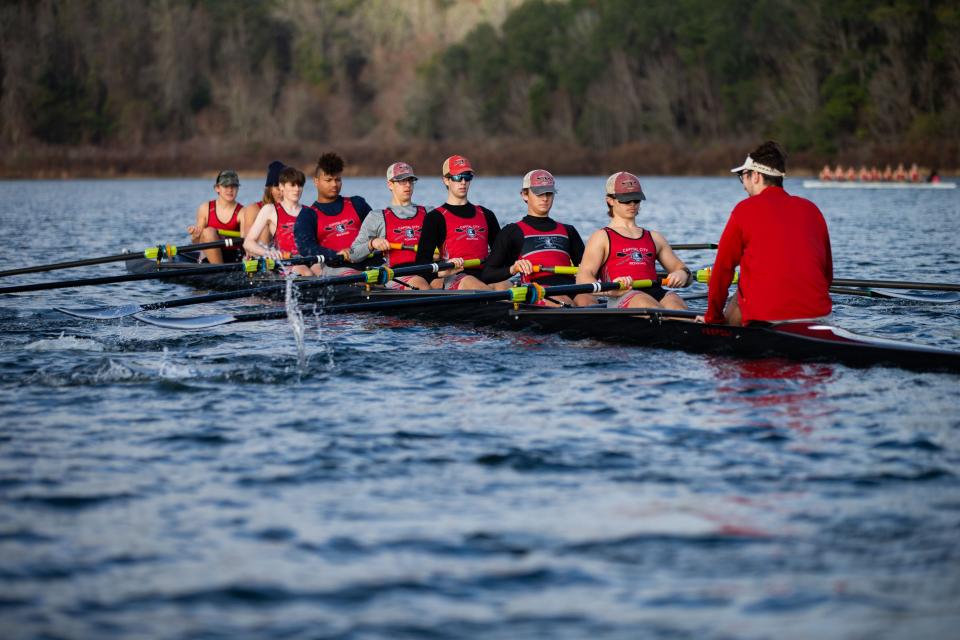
pixel 295 317
pixel 65 343
pixel 172 371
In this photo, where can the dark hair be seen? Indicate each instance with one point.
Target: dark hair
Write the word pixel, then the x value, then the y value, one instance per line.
pixel 330 164
pixel 771 154
pixel 292 174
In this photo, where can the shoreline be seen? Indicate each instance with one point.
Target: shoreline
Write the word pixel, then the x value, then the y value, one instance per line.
pixel 491 157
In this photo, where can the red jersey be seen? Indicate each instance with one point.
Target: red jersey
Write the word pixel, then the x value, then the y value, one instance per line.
pixel 230 254
pixel 338 232
pixel 283 238
pixel 634 257
pixel 786 266
pixel 404 231
pixel 546 248
pixel 467 238
pixel 233 224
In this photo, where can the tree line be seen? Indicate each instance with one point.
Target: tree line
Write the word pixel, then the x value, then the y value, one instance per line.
pixel 823 77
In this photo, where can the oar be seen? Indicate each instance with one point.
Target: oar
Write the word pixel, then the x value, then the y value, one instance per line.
pixel 524 294
pixel 932 297
pixel 249 266
pixel 896 284
pixel 703 275
pixel 568 270
pixel 705 245
pixel 150 253
pixel 380 275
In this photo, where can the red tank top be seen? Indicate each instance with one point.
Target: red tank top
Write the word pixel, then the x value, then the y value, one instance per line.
pixel 634 257
pixel 546 248
pixel 283 238
pixel 338 232
pixel 402 231
pixel 213 221
pixel 466 237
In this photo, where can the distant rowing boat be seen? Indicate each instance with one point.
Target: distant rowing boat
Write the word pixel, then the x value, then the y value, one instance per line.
pixel 826 184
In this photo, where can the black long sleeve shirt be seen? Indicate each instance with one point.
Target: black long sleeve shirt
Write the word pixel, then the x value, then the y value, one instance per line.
pixel 434 231
pixel 509 243
pixel 305 229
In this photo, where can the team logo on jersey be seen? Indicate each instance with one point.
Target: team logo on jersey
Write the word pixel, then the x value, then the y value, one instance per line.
pixel 470 231
pixel 551 242
pixel 340 227
pixel 635 255
pixel 411 232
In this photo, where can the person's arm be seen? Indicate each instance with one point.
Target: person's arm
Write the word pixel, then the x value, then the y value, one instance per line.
pixel 361 206
pixel 503 255
pixel 200 222
pixel 678 275
pixel 248 213
pixel 493 225
pixel 266 219
pixel 373 227
pixel 434 228
pixel 576 244
pixel 593 256
pixel 305 235
pixel 729 252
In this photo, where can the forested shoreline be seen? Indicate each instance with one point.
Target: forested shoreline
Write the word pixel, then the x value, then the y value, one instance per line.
pixel 183 87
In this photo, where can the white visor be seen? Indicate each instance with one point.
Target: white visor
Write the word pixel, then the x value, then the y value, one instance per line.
pixel 750 165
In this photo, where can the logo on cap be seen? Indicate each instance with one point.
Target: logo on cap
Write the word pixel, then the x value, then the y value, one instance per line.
pixel 400 171
pixel 456 164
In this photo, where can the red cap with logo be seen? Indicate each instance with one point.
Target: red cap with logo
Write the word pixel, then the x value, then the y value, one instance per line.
pixel 454 165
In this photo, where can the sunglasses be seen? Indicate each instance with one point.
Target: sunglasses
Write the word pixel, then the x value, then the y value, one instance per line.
pixel 462 177
pixel 743 173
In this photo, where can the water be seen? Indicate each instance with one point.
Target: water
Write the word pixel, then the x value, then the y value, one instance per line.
pixel 380 478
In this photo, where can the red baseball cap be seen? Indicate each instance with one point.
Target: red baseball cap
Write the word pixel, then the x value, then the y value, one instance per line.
pixel 454 165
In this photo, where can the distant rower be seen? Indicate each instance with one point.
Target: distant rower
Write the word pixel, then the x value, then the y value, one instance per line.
pixel 624 252
pixel 781 244
pixel 271 195
pixel 222 213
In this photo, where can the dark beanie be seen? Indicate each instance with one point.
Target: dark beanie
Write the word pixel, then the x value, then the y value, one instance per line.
pixel 273 174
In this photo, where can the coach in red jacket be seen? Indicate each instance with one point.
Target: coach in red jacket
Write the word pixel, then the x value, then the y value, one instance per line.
pixel 781 244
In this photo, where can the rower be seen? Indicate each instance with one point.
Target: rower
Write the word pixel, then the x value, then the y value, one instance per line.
pixel 278 221
pixel 394 230
pixel 781 244
pixel 523 248
pixel 826 174
pixel 222 213
pixel 330 226
pixel 271 195
pixel 624 252
pixel 460 229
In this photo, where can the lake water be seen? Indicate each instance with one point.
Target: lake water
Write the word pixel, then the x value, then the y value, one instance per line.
pixel 410 480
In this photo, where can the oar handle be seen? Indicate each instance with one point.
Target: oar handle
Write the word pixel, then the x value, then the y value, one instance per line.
pixel 703 275
pixel 572 271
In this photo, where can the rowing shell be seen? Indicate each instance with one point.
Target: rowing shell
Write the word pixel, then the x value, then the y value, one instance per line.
pixel 825 184
pixel 797 340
